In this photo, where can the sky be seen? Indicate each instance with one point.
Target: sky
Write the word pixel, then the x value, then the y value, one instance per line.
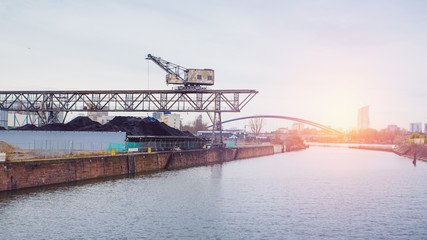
pixel 317 60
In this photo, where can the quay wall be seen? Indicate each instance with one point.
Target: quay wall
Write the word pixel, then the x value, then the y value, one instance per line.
pixel 194 158
pixel 25 174
pixel 256 151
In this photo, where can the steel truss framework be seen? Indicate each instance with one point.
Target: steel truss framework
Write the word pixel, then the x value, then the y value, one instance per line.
pixel 126 101
pixel 47 104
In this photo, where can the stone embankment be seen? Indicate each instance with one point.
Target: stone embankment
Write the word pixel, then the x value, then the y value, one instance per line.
pixel 407 150
pixel 412 150
pixel 25 174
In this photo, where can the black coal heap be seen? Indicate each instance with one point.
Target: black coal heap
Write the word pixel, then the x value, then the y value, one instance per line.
pixel 131 125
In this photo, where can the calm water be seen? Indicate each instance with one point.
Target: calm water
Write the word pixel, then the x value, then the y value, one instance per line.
pixel 319 193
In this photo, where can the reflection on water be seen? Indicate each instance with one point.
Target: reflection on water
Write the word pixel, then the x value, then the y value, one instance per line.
pixel 326 193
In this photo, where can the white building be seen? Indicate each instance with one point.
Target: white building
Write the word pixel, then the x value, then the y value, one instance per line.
pixel 363 118
pixel 172 119
pixel 101 117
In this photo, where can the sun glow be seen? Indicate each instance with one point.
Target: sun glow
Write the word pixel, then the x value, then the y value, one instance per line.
pixel 338 108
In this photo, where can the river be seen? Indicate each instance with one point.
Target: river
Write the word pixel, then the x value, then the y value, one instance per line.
pixel 318 193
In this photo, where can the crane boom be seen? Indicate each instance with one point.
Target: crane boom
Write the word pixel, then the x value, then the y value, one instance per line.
pixel 170 68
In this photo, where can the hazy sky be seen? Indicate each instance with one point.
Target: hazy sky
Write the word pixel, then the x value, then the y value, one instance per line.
pixel 317 60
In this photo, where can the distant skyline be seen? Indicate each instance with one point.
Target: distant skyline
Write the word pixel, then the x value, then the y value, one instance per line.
pixel 363 118
pixel 316 60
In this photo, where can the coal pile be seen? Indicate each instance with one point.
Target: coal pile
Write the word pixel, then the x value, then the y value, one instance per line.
pixel 27 127
pixel 131 125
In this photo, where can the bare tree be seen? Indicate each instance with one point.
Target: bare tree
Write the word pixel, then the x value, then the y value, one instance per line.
pixel 256 125
pixel 199 125
pixel 195 126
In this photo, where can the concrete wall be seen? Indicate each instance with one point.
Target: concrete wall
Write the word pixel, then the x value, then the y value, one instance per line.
pixel 278 148
pixel 18 175
pixel 38 173
pixel 256 151
pixel 193 158
pixel 79 140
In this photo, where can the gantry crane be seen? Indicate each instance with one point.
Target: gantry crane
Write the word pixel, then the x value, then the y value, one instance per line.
pixel 190 97
pixel 188 78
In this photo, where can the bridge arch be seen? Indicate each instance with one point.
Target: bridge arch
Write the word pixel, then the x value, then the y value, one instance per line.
pixel 329 129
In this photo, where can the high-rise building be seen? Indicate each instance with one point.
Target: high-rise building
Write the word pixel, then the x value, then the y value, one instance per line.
pixel 415 127
pixel 363 118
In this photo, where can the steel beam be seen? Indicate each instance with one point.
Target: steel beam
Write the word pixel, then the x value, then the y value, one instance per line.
pixel 126 101
pixel 51 102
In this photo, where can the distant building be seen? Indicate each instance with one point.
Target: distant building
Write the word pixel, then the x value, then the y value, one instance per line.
pixel 3 119
pixel 298 126
pixel 101 117
pixel 283 130
pixel 393 128
pixel 415 127
pixel 172 119
pixel 363 118
pixel 425 128
pixel 157 115
pixel 225 133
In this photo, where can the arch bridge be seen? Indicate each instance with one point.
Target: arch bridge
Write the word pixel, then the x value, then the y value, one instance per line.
pixel 318 125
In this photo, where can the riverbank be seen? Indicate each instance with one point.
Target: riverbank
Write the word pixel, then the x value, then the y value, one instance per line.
pixel 26 174
pixel 405 150
pixel 378 147
pixel 412 151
